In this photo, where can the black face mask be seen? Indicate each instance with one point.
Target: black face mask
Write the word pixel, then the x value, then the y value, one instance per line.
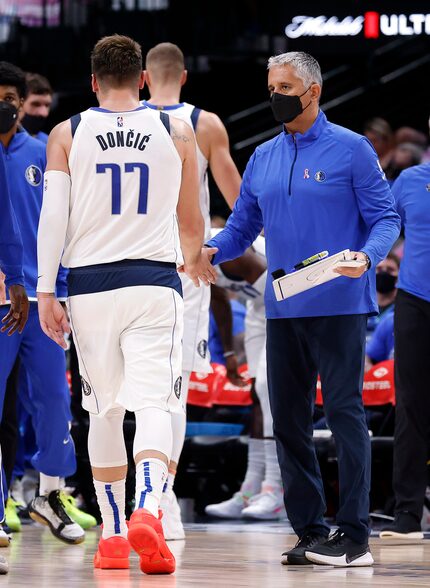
pixel 8 117
pixel 385 283
pixel 286 108
pixel 33 124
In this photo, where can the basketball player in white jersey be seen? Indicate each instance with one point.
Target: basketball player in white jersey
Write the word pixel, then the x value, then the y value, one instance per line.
pixel 119 178
pixel 165 76
pixel 261 494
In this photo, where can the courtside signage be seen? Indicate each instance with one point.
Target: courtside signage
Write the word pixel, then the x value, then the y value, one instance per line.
pixel 372 24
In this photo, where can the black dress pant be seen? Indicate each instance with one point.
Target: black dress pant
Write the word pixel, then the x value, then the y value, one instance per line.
pixel 412 430
pixel 9 425
pixel 297 350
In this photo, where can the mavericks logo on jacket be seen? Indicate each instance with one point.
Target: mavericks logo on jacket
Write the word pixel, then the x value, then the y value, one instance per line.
pixel 33 175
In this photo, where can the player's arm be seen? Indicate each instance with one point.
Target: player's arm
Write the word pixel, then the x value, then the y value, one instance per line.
pixel 221 309
pixel 51 235
pixel 213 140
pixel 191 224
pixel 248 267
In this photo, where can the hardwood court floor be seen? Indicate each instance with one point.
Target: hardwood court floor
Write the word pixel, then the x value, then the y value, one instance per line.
pixel 218 555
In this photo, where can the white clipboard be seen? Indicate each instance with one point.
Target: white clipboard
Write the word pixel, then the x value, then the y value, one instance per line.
pixel 313 275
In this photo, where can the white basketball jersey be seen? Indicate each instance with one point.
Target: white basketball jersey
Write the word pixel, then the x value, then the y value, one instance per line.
pixel 126 176
pixel 184 112
pixel 254 291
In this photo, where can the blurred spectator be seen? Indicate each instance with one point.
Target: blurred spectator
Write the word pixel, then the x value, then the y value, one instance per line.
pixel 404 155
pixel 410 135
pixel 36 106
pixel 380 134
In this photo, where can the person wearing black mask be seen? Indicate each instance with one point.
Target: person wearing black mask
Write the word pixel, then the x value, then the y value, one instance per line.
pixel 380 345
pixel 387 272
pixel 36 106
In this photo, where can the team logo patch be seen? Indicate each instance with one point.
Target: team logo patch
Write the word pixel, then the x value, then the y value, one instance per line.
pixel 177 388
pixel 33 175
pixel 320 176
pixel 86 388
pixel 428 187
pixel 119 121
pixel 202 348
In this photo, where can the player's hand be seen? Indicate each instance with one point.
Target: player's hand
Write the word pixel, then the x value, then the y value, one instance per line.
pixel 353 272
pixel 18 313
pixel 232 371
pixel 2 288
pixel 202 269
pixel 53 318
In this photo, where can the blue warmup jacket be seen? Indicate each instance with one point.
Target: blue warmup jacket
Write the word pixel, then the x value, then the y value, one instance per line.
pixel 25 162
pixel 11 251
pixel 411 191
pixel 321 190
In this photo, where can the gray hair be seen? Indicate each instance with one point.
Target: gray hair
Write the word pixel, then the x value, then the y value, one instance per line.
pixel 307 67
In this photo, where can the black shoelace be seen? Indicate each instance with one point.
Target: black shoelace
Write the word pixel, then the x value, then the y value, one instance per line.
pixel 337 539
pixel 58 507
pixel 308 540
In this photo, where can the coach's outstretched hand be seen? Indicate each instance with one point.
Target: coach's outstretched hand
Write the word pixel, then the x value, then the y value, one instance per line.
pixel 53 318
pixel 17 316
pixel 202 269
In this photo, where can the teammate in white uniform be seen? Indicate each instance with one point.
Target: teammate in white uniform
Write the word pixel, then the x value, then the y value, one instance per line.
pixel 165 76
pixel 261 493
pixel 119 178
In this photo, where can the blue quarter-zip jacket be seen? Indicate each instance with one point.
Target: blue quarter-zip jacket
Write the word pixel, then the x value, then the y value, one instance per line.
pixel 321 190
pixel 25 162
pixel 412 194
pixel 11 252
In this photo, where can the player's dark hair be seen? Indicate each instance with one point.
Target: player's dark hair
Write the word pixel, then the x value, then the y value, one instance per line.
pixel 37 84
pixel 165 62
pixel 116 61
pixel 11 75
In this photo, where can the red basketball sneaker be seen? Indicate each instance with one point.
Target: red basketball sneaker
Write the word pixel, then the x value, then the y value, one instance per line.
pixel 112 554
pixel 145 535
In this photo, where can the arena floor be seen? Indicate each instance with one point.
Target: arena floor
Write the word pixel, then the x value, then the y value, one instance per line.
pixel 213 555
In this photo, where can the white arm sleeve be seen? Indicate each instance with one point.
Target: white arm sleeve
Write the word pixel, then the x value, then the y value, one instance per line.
pixel 53 222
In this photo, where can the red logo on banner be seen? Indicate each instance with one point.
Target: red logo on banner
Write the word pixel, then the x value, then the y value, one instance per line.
pixel 371 25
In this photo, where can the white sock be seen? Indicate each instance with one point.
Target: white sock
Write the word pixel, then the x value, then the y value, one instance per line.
pixel 111 500
pixel 255 470
pixel 47 484
pixel 168 484
pixel 272 477
pixel 151 475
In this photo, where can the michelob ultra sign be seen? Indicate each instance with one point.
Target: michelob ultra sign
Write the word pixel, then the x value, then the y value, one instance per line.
pixel 372 25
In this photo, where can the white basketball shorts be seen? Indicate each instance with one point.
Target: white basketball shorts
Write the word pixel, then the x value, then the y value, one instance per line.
pixel 197 301
pixel 128 343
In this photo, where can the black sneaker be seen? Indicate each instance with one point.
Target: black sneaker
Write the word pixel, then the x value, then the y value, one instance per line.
pixel 296 556
pixel 340 551
pixel 404 526
pixel 49 510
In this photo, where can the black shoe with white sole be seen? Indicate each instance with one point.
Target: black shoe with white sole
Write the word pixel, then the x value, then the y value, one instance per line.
pixel 49 510
pixel 296 556
pixel 405 526
pixel 340 551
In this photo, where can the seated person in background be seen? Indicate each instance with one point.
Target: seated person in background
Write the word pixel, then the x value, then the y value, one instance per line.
pixel 387 272
pixel 380 134
pixel 381 345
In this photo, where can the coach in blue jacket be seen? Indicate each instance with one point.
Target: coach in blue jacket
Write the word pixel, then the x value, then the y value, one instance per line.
pixel 314 187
